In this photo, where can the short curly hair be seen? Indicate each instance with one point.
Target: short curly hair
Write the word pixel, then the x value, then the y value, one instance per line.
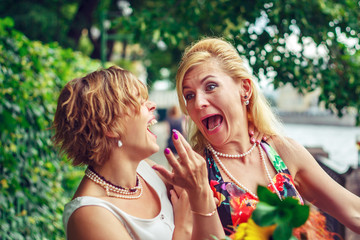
pixel 90 107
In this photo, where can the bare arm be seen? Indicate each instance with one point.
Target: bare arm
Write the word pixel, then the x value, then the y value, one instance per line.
pixel 93 222
pixel 317 187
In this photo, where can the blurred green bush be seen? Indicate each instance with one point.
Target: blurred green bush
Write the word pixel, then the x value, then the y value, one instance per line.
pixel 35 182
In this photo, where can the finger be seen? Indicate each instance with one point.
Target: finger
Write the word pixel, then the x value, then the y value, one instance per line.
pixel 174 163
pixel 173 197
pixel 257 136
pixel 190 153
pixel 178 190
pixel 180 148
pixel 184 196
pixel 186 145
pixel 251 130
pixel 265 137
pixel 166 174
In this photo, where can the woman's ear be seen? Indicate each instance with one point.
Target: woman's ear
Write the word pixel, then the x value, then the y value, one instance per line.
pixel 115 138
pixel 111 135
pixel 246 89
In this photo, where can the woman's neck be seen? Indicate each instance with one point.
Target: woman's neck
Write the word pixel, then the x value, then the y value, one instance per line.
pixel 240 145
pixel 119 169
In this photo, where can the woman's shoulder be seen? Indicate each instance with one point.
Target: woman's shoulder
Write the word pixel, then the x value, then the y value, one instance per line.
pixel 285 145
pixel 91 217
pixel 290 151
pixel 84 205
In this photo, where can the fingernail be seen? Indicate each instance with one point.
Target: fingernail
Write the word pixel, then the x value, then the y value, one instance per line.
pixel 264 138
pixel 175 134
pixel 258 141
pixel 252 140
pixel 167 151
pixel 251 132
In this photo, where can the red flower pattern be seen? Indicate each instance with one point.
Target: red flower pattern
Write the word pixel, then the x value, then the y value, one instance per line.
pixel 242 206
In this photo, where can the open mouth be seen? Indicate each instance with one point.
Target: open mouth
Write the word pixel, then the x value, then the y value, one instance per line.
pixel 211 123
pixel 150 124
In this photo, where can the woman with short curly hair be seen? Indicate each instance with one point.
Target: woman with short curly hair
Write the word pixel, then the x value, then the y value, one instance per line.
pixel 102 121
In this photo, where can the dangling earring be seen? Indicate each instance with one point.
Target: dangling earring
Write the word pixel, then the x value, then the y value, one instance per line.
pixel 119 143
pixel 247 101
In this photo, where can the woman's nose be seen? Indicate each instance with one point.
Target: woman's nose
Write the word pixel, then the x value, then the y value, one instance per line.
pixel 151 105
pixel 200 101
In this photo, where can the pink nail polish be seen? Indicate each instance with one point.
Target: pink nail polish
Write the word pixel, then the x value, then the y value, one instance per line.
pixel 252 140
pixel 258 141
pixel 167 151
pixel 175 134
pixel 251 132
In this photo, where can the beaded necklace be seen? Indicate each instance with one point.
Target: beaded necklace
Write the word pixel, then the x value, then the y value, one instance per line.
pixel 230 155
pixel 113 190
pixel 233 179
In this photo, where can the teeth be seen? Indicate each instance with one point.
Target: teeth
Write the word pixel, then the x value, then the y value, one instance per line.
pixel 152 122
pixel 214 127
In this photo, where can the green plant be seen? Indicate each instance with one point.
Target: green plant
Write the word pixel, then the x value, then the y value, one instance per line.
pixel 35 181
pixel 285 214
pixel 272 219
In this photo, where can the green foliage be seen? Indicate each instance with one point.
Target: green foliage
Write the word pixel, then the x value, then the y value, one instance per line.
pixel 35 181
pixel 262 31
pixel 286 214
pixel 46 21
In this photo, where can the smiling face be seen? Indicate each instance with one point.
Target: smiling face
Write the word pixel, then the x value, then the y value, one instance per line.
pixel 137 137
pixel 214 102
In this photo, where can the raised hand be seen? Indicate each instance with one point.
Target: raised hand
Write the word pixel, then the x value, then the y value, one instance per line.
pixel 190 173
pixel 189 170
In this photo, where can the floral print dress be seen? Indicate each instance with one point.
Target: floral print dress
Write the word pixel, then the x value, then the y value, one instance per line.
pixel 235 205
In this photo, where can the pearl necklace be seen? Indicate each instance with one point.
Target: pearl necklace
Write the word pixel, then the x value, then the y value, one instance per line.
pixel 230 155
pixel 233 179
pixel 113 190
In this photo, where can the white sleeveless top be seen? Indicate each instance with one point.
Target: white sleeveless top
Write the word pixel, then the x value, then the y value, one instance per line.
pixel 160 227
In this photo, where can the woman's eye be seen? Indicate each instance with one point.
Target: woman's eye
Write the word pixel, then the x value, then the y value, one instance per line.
pixel 188 96
pixel 211 86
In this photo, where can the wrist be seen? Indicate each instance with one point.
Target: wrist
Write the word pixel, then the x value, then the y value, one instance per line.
pixel 203 190
pixel 208 214
pixel 202 200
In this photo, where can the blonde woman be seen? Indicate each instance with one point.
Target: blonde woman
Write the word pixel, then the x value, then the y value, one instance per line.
pixel 219 95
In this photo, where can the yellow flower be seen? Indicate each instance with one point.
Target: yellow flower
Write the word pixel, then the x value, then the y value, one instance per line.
pixel 250 231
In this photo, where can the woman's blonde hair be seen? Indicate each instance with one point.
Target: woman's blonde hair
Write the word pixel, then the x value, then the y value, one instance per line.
pixel 259 111
pixel 90 107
